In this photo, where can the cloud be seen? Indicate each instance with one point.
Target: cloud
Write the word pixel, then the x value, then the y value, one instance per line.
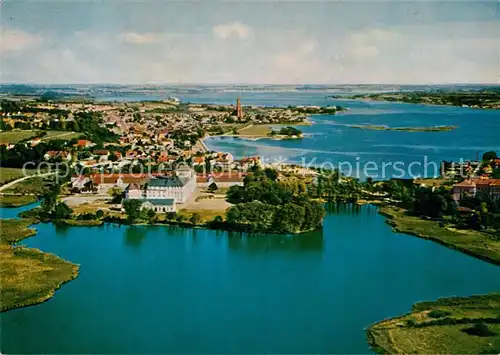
pixel 18 41
pixel 374 36
pixel 369 43
pixel 138 38
pixel 235 29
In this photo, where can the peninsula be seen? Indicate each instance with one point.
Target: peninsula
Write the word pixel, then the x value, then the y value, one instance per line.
pixel 488 98
pixel 29 276
pixel 456 325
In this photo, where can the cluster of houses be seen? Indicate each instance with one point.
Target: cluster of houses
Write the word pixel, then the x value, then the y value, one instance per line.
pixel 475 187
pixel 160 192
pixel 479 181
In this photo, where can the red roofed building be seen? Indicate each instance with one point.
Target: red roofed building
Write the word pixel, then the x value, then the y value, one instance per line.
pixel 83 143
pixel 477 187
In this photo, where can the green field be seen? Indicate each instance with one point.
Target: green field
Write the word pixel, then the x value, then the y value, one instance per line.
pixel 16 200
pixel 28 276
pixel 65 135
pixel 256 131
pixel 441 327
pixel 475 243
pixel 17 136
pixel 9 174
pixel 35 185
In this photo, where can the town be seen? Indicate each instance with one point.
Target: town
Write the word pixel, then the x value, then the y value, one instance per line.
pixel 149 151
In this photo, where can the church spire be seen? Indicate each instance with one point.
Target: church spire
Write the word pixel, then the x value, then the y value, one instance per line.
pixel 239 109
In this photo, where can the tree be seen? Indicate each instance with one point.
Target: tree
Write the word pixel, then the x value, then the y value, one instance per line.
pixel 62 211
pixel 271 173
pixel 479 329
pixel 195 218
pixel 212 187
pixel 487 156
pixel 99 214
pixel 151 215
pixel 116 194
pixel 132 209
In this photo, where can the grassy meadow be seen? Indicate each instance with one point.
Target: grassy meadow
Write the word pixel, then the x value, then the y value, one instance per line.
pixel 22 135
pixel 16 136
pixel 442 327
pixel 475 243
pixel 28 276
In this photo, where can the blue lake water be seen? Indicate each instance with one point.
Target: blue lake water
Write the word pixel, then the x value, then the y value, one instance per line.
pixel 157 289
pixel 360 152
pixel 167 290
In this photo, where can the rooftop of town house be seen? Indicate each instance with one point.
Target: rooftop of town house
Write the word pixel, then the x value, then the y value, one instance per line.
pixel 113 178
pixel 101 152
pixel 478 183
pixel 82 142
pixel 167 181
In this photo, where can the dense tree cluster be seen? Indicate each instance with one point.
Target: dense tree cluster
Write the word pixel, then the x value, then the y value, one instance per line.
pixel 332 187
pixel 22 153
pixel 267 205
pixel 287 131
pixel 481 211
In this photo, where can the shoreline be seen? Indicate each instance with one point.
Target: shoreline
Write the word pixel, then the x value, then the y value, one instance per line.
pixel 450 315
pixel 29 276
pixel 393 222
pixel 399 101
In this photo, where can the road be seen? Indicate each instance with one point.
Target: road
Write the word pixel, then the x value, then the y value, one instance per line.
pixel 57 136
pixel 12 183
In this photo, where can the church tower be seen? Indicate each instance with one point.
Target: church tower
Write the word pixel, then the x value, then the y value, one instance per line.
pixel 239 110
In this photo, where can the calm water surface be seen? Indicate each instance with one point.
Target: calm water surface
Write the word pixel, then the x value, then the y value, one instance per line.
pixel 330 139
pixel 168 290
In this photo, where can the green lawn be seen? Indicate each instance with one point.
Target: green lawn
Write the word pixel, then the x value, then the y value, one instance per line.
pixel 471 242
pixel 9 174
pixel 35 185
pixel 16 136
pixel 421 333
pixel 51 135
pixel 16 200
pixel 28 276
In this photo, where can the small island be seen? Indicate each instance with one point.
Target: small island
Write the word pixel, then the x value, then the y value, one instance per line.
pixel 287 132
pixel 405 129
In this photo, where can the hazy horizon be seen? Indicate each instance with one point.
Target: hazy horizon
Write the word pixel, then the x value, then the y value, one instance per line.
pixel 250 43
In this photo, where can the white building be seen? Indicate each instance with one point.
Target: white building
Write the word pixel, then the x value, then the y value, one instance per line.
pixel 179 187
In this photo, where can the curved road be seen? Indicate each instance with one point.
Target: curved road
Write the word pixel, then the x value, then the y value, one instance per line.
pixel 12 183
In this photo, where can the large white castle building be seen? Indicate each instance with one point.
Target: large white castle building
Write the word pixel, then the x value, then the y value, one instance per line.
pixel 162 193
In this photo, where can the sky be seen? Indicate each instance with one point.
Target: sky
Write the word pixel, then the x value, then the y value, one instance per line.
pixel 250 42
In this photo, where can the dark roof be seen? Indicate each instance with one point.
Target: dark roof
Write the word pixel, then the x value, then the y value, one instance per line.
pixel 171 181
